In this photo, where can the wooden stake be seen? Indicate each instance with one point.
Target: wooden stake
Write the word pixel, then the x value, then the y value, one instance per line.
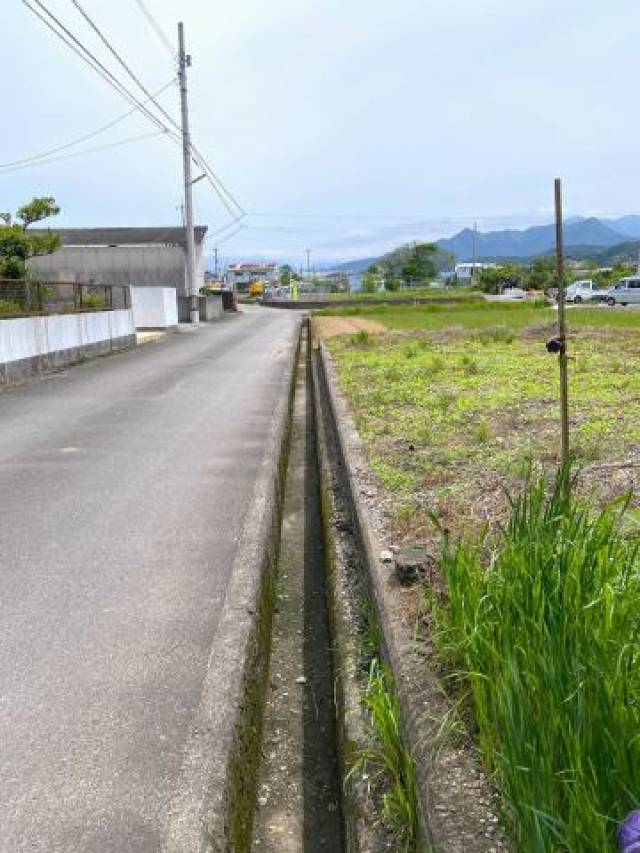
pixel 562 329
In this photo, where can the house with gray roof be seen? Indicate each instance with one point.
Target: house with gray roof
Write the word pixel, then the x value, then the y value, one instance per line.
pixel 134 256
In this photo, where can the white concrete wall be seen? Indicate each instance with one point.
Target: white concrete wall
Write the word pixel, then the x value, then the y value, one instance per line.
pixel 154 307
pixel 31 337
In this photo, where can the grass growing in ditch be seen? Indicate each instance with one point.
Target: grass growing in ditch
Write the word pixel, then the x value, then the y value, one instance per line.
pixel 548 638
pixel 388 762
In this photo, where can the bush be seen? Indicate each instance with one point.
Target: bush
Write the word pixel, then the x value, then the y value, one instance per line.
pixel 548 638
pixel 9 308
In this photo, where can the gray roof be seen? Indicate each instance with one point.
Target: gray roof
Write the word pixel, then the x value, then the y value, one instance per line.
pixel 123 236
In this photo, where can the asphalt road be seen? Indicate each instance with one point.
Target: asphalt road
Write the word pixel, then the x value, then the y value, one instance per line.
pixel 124 483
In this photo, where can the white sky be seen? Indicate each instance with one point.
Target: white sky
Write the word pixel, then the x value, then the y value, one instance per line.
pixel 355 124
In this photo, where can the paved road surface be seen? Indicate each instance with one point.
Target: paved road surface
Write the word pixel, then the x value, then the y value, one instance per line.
pixel 123 487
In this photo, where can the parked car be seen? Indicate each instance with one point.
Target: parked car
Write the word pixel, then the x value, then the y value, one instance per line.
pixel 585 291
pixel 512 292
pixel 626 292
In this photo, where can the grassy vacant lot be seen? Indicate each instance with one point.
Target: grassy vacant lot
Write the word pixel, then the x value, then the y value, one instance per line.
pixel 535 609
pixel 455 404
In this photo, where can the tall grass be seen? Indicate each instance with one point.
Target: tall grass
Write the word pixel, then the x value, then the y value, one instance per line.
pixel 388 761
pixel 547 636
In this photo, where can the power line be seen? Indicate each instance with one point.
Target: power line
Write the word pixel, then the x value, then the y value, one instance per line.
pixel 223 193
pixel 67 37
pixel 156 27
pixel 44 162
pixel 124 65
pixel 79 139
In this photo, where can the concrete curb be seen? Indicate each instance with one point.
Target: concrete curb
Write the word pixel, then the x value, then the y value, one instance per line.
pixel 212 809
pixel 455 798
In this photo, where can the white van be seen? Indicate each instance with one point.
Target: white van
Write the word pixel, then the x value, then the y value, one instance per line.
pixel 626 292
pixel 582 291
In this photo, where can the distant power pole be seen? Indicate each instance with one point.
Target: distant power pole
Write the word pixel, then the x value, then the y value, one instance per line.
pixel 475 237
pixel 308 251
pixel 215 255
pixel 184 62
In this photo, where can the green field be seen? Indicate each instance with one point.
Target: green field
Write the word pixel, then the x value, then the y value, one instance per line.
pixel 458 408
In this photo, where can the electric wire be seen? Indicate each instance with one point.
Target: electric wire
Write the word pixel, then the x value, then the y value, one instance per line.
pixel 81 153
pixel 45 154
pixel 67 37
pixel 156 27
pixel 214 179
pixel 105 41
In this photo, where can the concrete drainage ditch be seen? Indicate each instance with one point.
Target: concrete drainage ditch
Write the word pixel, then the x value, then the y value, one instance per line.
pixel 314 790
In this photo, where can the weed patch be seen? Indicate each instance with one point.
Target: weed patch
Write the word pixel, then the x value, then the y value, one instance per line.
pixel 547 636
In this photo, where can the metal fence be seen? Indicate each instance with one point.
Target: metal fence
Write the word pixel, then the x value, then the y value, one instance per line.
pixel 24 297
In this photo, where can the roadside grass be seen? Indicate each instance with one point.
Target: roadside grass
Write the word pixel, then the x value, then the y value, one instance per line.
pixel 545 629
pixel 448 294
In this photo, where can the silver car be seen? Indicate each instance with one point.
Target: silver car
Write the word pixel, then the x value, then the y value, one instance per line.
pixel 626 291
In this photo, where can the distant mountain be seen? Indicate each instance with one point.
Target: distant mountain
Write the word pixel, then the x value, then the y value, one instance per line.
pixel 358 266
pixel 531 241
pixel 621 253
pixel 628 226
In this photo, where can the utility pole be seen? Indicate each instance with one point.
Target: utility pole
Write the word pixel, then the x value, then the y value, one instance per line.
pixel 215 255
pixel 308 251
pixel 562 330
pixel 475 237
pixel 184 62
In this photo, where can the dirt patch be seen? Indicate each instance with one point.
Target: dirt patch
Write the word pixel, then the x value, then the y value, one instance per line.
pixel 330 327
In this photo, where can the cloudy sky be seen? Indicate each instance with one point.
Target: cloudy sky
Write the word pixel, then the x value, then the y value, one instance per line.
pixel 345 127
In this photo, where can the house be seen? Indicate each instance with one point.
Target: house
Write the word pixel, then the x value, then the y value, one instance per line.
pixel 466 271
pixel 240 275
pixel 135 256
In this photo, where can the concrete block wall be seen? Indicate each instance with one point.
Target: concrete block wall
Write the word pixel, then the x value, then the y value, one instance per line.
pixel 35 344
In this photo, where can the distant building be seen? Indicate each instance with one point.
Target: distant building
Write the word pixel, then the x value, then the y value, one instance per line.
pixel 240 275
pixel 466 271
pixel 137 256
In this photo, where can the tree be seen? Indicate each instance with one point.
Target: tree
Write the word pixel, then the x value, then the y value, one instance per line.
pixel 541 274
pixel 285 275
pixel 37 210
pixel 419 265
pixel 17 244
pixel 495 279
pixel 370 281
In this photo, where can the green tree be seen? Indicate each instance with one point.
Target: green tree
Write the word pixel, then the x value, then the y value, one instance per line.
pixel 541 274
pixel 286 275
pixel 17 244
pixel 495 279
pixel 370 282
pixel 419 265
pixel 37 210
